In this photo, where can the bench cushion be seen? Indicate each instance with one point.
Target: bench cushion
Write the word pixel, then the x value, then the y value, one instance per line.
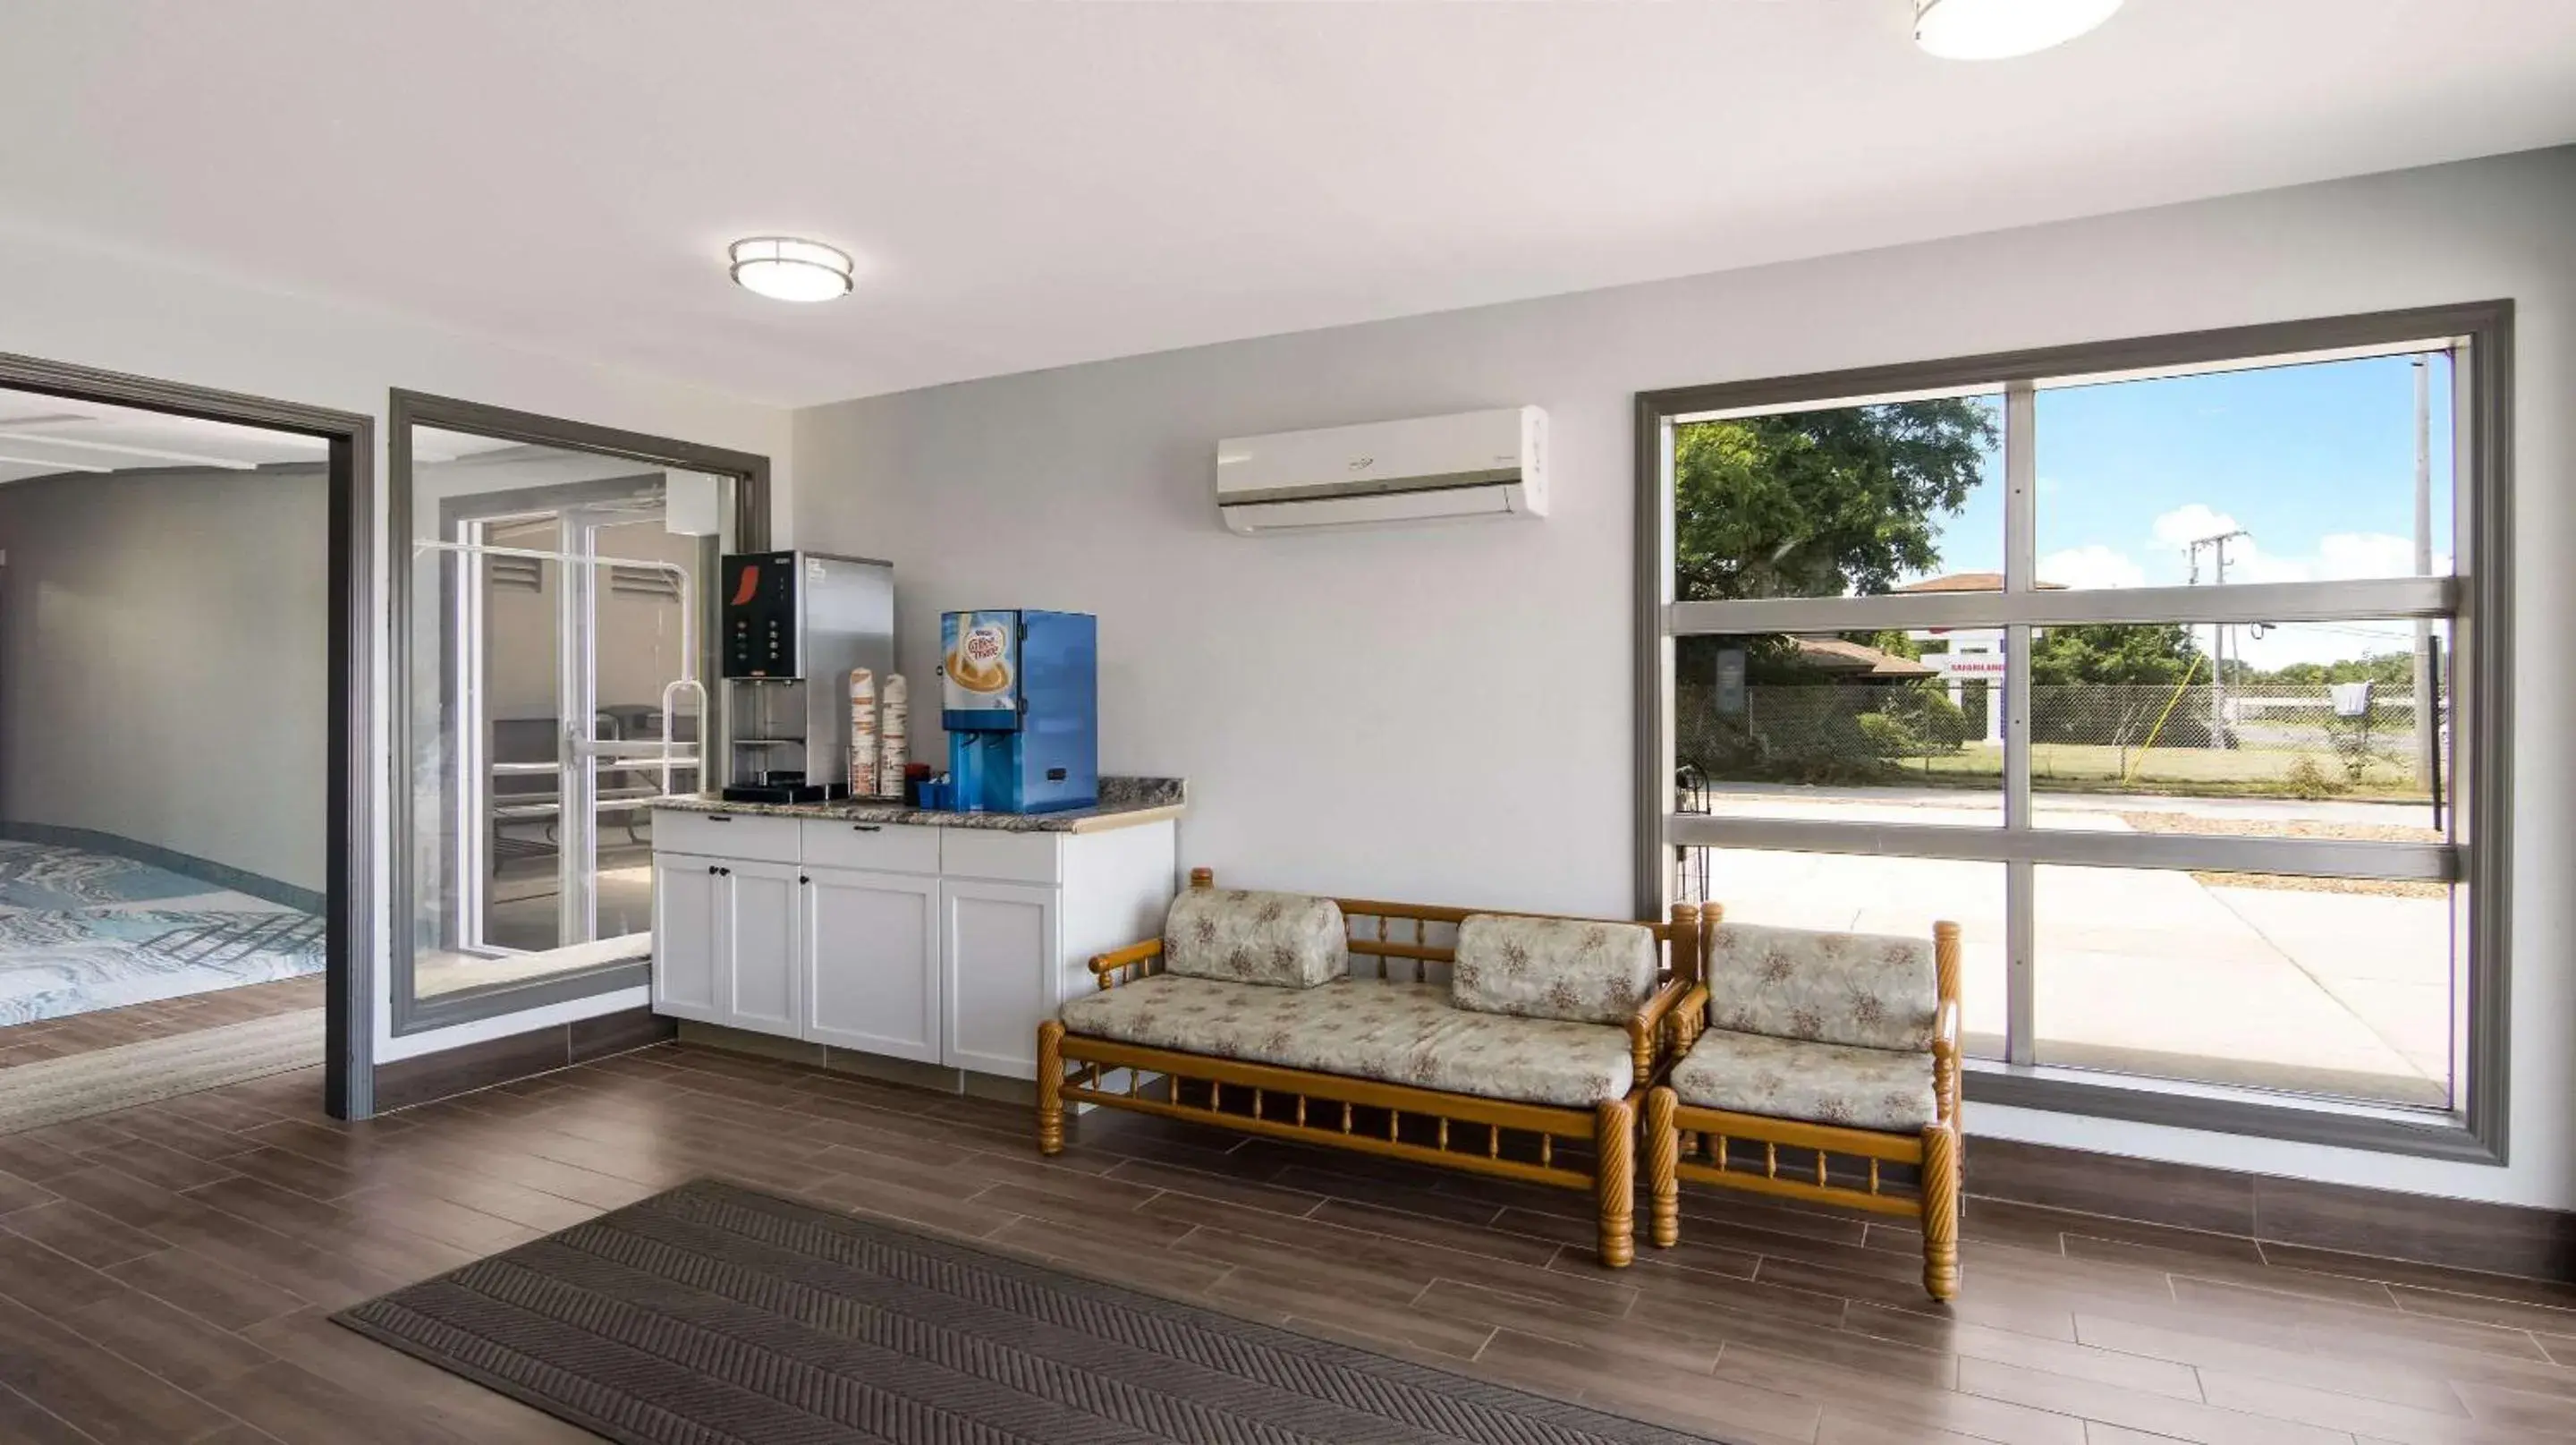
pixel 1288 939
pixel 1820 1083
pixel 1553 968
pixel 1395 1033
pixel 1866 990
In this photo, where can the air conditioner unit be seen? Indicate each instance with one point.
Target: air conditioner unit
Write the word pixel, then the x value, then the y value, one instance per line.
pixel 1474 464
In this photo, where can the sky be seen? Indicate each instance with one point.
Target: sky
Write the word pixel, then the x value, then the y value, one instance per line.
pixel 2316 462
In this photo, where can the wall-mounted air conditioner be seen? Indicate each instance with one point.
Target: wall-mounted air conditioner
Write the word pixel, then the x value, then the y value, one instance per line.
pixel 1474 464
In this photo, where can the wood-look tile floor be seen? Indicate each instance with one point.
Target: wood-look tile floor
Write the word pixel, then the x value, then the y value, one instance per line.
pixel 166 1273
pixel 161 1019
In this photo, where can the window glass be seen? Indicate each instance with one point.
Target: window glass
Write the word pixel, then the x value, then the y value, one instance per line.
pixel 2309 985
pixel 1838 502
pixel 2276 474
pixel 2305 730
pixel 1845 727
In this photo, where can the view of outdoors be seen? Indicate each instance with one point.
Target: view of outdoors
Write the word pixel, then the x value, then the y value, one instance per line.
pixel 2315 730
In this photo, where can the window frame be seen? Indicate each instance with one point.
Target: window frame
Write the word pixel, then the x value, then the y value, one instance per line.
pixel 2476 599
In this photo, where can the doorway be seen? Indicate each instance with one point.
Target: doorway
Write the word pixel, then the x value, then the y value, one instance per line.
pixel 173 915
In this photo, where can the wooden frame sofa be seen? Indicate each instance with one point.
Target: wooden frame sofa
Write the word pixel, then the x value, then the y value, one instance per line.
pixel 1828 1044
pixel 1251 1014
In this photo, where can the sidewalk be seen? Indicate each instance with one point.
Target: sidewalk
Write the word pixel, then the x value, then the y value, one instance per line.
pixel 2141 970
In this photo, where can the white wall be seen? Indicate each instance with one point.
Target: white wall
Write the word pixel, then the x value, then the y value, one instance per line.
pixel 1443 712
pixel 149 316
pixel 163 662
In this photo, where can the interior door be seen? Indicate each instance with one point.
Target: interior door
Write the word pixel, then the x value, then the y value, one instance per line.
pixel 570 659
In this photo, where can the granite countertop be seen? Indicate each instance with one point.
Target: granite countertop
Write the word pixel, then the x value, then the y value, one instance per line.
pixel 1124 803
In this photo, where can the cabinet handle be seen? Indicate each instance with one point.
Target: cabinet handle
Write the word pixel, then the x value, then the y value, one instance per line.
pixel 712 870
pixel 867 827
pixel 802 879
pixel 719 817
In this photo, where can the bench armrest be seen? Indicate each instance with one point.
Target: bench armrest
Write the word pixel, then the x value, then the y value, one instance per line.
pixel 1945 1059
pixel 1646 1028
pixel 1110 969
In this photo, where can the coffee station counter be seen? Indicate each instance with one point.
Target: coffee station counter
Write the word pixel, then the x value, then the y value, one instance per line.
pixel 1124 803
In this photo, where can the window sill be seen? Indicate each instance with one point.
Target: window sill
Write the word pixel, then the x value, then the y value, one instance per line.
pixel 2253 1113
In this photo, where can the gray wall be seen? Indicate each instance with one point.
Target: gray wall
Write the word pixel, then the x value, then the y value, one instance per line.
pixel 163 673
pixel 1443 712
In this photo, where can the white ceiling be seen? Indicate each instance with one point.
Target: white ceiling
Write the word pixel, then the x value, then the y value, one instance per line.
pixel 1034 184
pixel 47 435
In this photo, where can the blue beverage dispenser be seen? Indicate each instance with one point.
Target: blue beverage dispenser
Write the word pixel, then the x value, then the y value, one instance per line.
pixel 1020 698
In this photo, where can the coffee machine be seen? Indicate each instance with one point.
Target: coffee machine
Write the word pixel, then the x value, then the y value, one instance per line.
pixel 1020 698
pixel 793 625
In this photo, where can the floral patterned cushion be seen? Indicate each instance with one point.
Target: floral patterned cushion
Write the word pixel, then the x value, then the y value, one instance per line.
pixel 1821 1083
pixel 1288 939
pixel 1397 1033
pixel 1862 989
pixel 1553 968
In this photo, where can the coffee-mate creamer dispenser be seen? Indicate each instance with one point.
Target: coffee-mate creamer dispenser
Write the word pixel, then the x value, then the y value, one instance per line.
pixel 1020 698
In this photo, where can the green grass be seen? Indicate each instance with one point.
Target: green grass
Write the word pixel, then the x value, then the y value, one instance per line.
pixel 2201 772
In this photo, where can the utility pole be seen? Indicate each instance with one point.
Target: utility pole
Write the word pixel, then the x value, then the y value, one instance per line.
pixel 2217 544
pixel 2428 760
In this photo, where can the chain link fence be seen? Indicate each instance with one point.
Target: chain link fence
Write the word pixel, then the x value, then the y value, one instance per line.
pixel 2261 739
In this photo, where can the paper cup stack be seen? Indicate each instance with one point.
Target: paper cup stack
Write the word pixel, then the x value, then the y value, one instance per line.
pixel 863 732
pixel 894 744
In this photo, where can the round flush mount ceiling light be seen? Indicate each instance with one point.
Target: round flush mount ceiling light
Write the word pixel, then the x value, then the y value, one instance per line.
pixel 2000 29
pixel 784 268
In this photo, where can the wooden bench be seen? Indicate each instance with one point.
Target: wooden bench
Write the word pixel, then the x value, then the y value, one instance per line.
pixel 1406 1043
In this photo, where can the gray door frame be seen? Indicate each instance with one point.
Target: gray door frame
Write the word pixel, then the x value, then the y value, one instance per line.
pixel 349 916
pixel 405 411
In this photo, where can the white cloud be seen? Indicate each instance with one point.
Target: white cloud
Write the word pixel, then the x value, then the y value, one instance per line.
pixel 2092 566
pixel 2185 525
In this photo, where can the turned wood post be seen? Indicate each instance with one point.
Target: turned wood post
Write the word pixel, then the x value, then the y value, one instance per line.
pixel 1941 1211
pixel 1614 1138
pixel 1202 878
pixel 1663 1169
pixel 1051 1087
pixel 1686 939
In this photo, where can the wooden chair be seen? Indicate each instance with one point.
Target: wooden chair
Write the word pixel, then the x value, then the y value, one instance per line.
pixel 1691 1135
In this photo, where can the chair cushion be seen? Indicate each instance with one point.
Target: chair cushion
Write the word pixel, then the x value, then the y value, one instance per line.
pixel 1863 989
pixel 1820 1083
pixel 1396 1033
pixel 1553 968
pixel 1288 939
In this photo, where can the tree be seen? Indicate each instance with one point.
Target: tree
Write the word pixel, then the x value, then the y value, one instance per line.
pixel 2115 652
pixel 1820 503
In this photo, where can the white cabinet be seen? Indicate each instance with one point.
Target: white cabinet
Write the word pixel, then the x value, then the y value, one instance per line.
pixel 931 944
pixel 871 962
pixel 687 893
pixel 999 947
pixel 756 962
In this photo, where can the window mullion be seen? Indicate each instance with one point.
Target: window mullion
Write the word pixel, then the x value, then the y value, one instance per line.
pixel 2021 548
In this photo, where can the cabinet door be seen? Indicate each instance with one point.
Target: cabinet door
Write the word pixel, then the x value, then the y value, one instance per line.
pixel 871 962
pixel 685 893
pixel 756 948
pixel 998 953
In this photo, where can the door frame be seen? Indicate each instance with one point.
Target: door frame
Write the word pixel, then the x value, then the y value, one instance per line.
pixel 350 911
pixel 406 410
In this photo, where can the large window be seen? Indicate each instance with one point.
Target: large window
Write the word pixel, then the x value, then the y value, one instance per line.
pixel 2171 670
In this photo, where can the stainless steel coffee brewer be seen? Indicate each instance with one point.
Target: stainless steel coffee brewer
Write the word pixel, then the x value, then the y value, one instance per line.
pixel 792 626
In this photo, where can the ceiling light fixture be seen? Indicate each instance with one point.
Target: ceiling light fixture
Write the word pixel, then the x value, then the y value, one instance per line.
pixel 784 268
pixel 2000 29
